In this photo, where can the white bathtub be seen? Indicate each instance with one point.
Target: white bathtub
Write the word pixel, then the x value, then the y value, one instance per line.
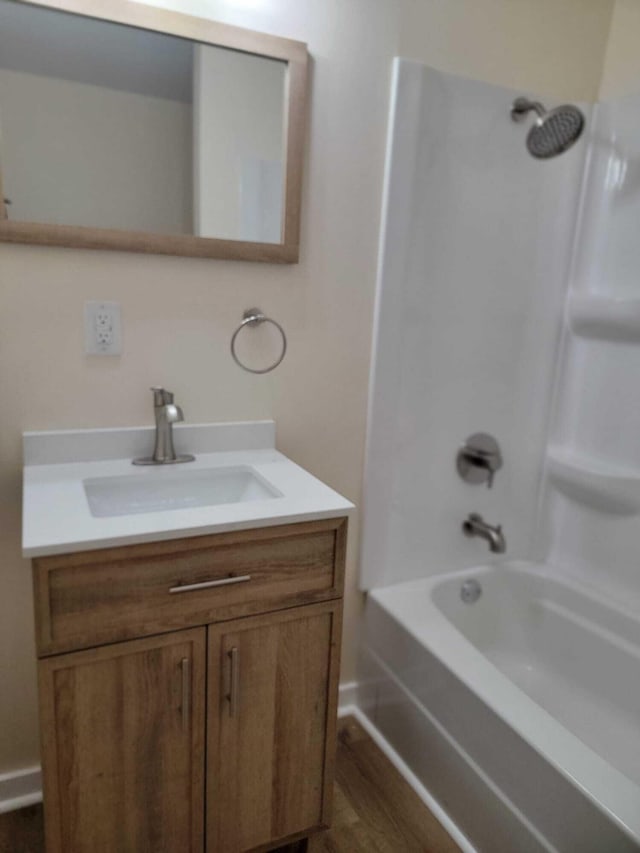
pixel 520 712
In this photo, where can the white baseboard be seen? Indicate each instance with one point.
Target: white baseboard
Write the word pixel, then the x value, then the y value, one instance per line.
pixel 20 788
pixel 347 698
pixel 405 771
pixel 348 706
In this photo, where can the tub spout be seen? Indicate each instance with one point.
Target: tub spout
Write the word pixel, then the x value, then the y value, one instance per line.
pixel 475 525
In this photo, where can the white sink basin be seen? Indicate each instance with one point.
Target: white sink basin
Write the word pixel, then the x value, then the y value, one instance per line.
pixel 81 492
pixel 158 490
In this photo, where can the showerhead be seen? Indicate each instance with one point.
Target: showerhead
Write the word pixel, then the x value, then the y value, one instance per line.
pixel 554 131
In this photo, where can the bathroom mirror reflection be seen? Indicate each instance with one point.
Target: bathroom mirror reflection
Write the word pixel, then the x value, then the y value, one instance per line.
pixel 119 128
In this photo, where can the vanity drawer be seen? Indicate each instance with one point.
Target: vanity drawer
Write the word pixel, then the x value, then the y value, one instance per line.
pixel 95 597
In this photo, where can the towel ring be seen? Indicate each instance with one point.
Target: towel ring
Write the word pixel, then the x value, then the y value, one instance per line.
pixel 255 317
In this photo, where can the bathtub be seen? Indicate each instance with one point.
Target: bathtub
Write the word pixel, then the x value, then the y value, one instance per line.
pixel 519 713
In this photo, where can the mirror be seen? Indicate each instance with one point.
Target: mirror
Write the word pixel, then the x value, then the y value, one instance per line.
pixel 124 132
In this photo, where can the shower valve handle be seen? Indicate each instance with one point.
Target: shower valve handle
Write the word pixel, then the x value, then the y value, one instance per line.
pixel 478 459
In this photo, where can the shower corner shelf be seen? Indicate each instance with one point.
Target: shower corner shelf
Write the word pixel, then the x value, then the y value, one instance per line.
pixel 597 484
pixel 605 317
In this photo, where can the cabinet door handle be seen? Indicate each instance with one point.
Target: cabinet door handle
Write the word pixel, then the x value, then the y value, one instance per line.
pixel 234 680
pixel 191 587
pixel 185 666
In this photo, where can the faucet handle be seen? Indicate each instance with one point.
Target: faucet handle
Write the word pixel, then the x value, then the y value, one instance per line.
pixel 161 397
pixel 478 459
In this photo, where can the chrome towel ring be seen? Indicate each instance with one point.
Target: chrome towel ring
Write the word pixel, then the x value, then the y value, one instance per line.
pixel 255 317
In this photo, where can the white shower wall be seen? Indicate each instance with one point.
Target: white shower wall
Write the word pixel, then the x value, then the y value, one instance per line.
pixel 591 529
pixel 475 253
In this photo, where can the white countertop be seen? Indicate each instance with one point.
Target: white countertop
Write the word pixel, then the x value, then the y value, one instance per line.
pixel 57 518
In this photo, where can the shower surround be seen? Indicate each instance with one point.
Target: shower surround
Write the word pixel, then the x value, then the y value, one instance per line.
pixel 507 303
pixel 475 252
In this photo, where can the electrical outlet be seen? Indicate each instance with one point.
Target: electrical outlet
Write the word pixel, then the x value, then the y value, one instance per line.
pixel 103 328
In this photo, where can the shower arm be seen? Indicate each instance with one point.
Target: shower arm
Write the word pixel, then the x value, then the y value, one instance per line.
pixel 522 106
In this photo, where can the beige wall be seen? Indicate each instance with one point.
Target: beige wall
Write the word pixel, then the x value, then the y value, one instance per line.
pixel 238 113
pixel 546 47
pixel 99 171
pixel 179 313
pixel 622 61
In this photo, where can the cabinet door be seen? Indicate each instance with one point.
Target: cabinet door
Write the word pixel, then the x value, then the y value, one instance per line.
pixel 272 687
pixel 123 745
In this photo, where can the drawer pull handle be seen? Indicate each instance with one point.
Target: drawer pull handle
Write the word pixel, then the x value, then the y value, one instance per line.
pixel 234 680
pixel 192 587
pixel 185 666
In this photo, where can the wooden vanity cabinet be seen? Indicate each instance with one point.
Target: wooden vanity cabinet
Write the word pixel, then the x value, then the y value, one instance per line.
pixel 123 746
pixel 270 749
pixel 214 732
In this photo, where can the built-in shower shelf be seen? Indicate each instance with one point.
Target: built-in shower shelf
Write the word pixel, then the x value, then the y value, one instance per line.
pixel 605 317
pixel 589 480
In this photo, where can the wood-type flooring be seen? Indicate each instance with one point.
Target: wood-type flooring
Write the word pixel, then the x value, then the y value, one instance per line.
pixel 375 810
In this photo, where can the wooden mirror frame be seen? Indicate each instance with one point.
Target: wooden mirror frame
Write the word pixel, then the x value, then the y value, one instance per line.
pixel 204 31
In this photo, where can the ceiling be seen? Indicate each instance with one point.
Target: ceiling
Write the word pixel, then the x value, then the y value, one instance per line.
pixel 70 47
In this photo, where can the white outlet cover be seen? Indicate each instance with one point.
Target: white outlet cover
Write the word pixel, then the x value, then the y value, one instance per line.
pixel 102 328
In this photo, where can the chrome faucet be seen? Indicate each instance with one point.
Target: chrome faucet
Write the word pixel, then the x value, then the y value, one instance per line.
pixel 475 525
pixel 167 413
